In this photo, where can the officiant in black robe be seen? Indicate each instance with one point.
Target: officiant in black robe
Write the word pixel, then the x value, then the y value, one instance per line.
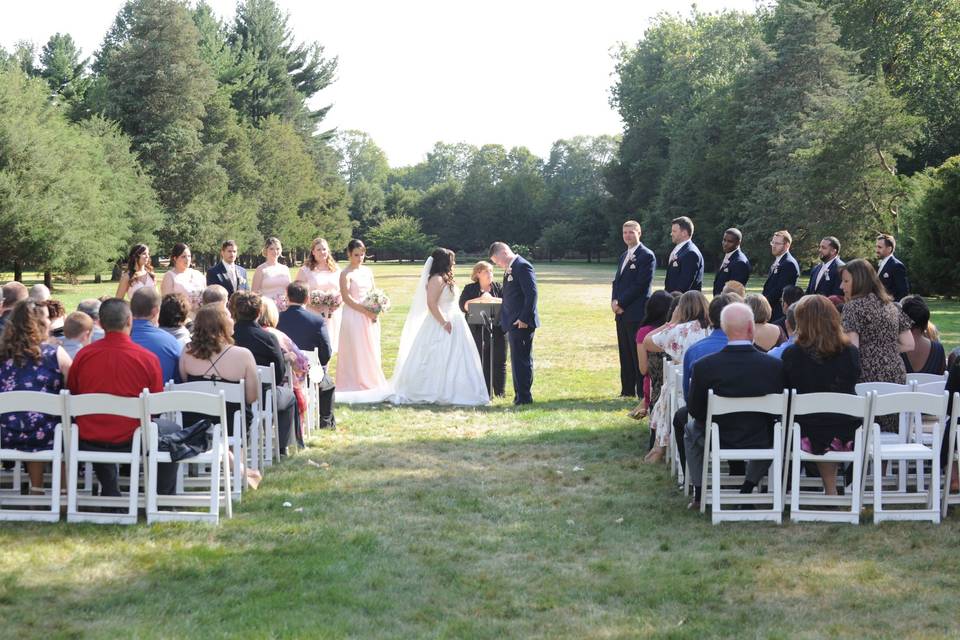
pixel 482 278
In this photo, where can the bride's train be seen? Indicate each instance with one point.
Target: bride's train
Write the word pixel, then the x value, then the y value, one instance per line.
pixel 433 366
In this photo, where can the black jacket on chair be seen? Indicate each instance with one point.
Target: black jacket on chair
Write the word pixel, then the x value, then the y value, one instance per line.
pixel 737 268
pixel 738 371
pixel 308 330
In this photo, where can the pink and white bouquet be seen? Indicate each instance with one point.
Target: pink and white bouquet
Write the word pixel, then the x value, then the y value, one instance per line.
pixel 281 301
pixel 376 301
pixel 326 301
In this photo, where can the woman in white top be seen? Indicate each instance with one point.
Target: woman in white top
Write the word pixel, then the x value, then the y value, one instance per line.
pixel 137 273
pixel 181 278
pixel 271 278
pixel 321 273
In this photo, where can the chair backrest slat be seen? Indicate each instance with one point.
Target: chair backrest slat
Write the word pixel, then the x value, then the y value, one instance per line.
pixel 773 404
pixel 32 401
pixel 87 404
pixel 912 402
pixel 803 404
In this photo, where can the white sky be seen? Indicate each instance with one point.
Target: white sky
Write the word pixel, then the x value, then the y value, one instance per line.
pixel 513 72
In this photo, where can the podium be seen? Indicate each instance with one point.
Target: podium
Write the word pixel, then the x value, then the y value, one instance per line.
pixel 486 314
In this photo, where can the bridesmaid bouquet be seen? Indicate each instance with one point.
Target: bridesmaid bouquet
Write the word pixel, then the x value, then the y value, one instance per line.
pixel 376 301
pixel 328 302
pixel 281 301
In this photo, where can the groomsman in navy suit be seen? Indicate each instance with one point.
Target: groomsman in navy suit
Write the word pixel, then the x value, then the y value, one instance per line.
pixel 685 266
pixel 825 277
pixel 518 316
pixel 735 265
pixel 892 272
pixel 783 272
pixel 227 273
pixel 632 285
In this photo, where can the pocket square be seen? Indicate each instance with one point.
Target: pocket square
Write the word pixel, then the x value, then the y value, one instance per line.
pixel 886 275
pixel 633 266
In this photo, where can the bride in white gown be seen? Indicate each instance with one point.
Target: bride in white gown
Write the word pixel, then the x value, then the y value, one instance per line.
pixel 437 361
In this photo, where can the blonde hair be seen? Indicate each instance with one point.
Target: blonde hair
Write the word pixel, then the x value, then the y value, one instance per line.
pixel 311 262
pixel 269 314
pixel 784 235
pixel 760 307
pixel 633 224
pixel 735 286
pixel 271 242
pixel 483 265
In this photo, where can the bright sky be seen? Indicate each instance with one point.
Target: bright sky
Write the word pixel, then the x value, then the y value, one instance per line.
pixel 513 72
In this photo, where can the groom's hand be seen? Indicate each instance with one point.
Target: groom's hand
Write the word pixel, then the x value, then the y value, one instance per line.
pixel 520 324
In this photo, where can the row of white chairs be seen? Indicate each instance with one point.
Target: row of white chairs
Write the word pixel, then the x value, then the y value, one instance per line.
pixel 872 449
pixel 255 444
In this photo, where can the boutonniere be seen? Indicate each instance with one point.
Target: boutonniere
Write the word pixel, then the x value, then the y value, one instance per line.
pixel 886 275
pixel 676 263
pixel 826 277
pixel 633 257
pixel 509 278
pixel 633 266
pixel 726 269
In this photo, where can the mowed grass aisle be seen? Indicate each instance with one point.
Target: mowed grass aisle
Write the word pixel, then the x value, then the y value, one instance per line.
pixel 490 523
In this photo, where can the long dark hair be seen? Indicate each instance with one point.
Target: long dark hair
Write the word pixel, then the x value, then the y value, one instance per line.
pixel 133 257
pixel 655 313
pixel 864 280
pixel 443 260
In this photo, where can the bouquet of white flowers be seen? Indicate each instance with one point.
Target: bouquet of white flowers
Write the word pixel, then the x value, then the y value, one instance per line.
pixel 376 301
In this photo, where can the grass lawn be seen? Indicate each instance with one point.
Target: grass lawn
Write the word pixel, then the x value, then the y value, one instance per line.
pixel 490 523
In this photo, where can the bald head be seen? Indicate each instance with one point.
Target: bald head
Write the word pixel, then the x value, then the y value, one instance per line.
pixel 736 320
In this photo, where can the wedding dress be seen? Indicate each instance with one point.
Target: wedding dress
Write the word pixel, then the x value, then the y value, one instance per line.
pixel 433 366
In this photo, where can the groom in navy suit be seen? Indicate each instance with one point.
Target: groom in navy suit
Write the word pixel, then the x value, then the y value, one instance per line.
pixel 632 285
pixel 518 316
pixel 227 273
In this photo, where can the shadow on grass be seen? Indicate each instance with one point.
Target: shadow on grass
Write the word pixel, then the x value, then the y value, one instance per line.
pixel 605 405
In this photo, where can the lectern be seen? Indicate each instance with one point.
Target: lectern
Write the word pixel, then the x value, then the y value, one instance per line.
pixel 486 314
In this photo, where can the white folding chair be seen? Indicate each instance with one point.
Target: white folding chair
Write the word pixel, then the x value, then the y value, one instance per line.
pixel 270 415
pixel 843 404
pixel 925 378
pixel 93 404
pixel 314 377
pixel 953 456
pixel 213 405
pixel 233 393
pixel 902 434
pixel 775 404
pixel 48 404
pixel 677 403
pixel 879 452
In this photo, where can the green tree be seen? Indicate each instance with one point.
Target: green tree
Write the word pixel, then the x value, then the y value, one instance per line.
pixel 400 237
pixel 65 71
pixel 361 159
pixel 931 223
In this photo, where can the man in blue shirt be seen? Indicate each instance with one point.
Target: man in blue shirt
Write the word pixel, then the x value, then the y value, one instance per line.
pixel 791 326
pixel 145 307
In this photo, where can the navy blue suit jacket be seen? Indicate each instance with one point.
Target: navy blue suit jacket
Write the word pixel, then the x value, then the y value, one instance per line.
pixel 894 278
pixel 308 330
pixel 217 274
pixel 685 272
pixel 784 275
pixel 632 286
pixel 830 283
pixel 519 296
pixel 738 268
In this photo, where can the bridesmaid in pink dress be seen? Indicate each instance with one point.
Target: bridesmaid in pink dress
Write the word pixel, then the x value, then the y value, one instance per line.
pixel 321 273
pixel 182 279
pixel 358 362
pixel 138 272
pixel 271 278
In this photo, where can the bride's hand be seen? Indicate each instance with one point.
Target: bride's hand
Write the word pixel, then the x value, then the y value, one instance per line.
pixel 447 326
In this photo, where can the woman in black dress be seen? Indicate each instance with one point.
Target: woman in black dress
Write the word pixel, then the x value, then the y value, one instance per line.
pixel 822 360
pixel 483 287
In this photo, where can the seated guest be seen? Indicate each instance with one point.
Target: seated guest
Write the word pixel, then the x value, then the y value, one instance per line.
pixel 687 326
pixel 77 331
pixel 952 386
pixel 481 289
pixel 757 374
pixel 927 356
pixel 245 308
pixel 174 311
pixel 308 330
pixel 145 307
pixel 822 360
pixel 735 287
pixel 651 365
pixel 212 356
pixel 790 323
pixel 790 295
pixel 91 307
pixel 29 363
pixel 299 365
pixel 766 335
pixel 13 292
pixel 56 314
pixel 214 294
pixel 117 366
pixel 39 293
